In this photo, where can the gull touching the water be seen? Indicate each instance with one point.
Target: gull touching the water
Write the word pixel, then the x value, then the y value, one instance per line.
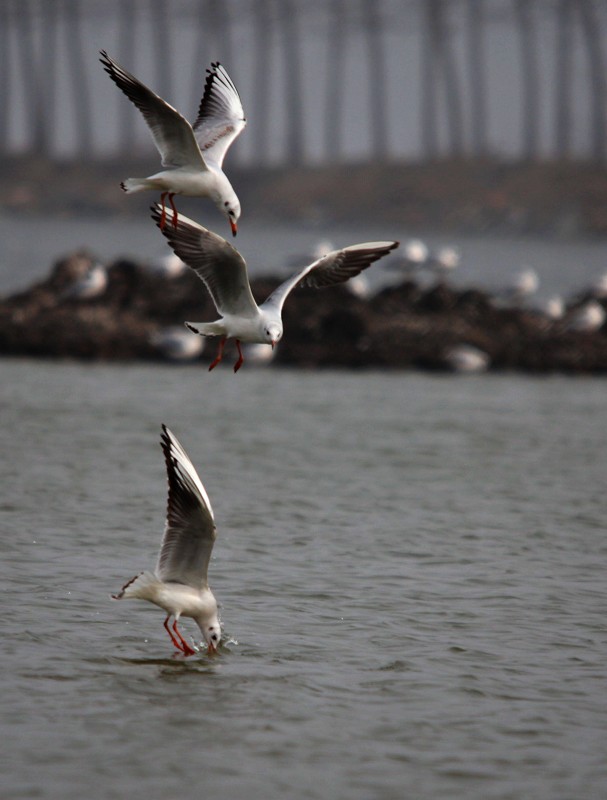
pixel 224 273
pixel 192 155
pixel 179 584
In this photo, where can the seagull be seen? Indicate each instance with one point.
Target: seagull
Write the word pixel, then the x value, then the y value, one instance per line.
pixel 192 155
pixel 177 344
pixel 179 584
pixel 465 358
pixel 224 272
pixel 445 260
pixel 588 317
pixel 93 284
pixel 415 256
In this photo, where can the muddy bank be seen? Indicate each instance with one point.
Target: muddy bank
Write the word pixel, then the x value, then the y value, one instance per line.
pixel 552 198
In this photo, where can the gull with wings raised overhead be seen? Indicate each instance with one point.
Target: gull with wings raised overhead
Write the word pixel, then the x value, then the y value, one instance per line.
pixel 179 584
pixel 192 155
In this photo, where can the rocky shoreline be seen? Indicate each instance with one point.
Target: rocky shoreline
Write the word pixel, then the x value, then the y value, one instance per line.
pixel 134 311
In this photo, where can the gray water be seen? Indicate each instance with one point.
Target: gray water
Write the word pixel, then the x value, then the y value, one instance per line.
pixel 411 572
pixel 30 245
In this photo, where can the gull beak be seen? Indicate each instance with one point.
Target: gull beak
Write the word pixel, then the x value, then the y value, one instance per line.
pixel 234 227
pixel 212 648
pixel 273 343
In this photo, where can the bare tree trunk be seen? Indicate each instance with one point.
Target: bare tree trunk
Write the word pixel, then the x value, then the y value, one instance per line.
pixel 525 19
pixel 126 44
pixel 5 84
pixel 372 22
pixel 161 47
pixel 218 20
pixel 293 85
pixel 596 62
pixel 429 48
pixel 477 71
pixel 335 80
pixel 77 72
pixel 562 106
pixel 31 78
pixel 441 54
pixel 49 72
pixel 262 35
pixel 453 98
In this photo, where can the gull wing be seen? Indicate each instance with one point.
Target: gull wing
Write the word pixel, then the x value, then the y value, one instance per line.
pixel 220 116
pixel 172 133
pixel 219 265
pixel 190 531
pixel 336 267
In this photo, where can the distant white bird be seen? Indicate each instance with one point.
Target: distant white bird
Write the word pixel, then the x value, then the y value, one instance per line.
pixel 321 248
pixel 588 317
pixel 599 287
pixel 93 284
pixel 224 273
pixel 168 266
pixel 444 260
pixel 193 155
pixel 524 284
pixel 416 251
pixel 176 343
pixel 360 287
pixel 465 358
pixel 553 307
pixel 413 257
pixel 179 584
pixel 256 353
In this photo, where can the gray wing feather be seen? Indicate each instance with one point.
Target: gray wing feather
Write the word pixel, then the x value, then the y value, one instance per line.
pixel 333 268
pixel 219 265
pixel 189 532
pixel 220 115
pixel 172 133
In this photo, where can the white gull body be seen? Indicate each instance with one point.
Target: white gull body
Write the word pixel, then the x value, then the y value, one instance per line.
pixel 179 584
pixel 224 273
pixel 192 155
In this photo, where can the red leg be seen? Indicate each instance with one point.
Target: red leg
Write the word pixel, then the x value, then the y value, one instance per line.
pixel 171 196
pixel 185 646
pixel 175 641
pixel 238 364
pixel 163 216
pixel 219 356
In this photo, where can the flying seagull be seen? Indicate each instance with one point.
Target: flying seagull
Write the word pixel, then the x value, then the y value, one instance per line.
pixel 191 155
pixel 179 584
pixel 224 273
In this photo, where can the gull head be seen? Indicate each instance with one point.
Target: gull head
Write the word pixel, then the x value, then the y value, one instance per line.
pixel 272 333
pixel 230 208
pixel 211 630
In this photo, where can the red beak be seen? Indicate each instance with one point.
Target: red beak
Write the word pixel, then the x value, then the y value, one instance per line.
pixel 234 227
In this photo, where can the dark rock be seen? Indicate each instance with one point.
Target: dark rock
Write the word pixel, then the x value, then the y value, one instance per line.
pixel 402 327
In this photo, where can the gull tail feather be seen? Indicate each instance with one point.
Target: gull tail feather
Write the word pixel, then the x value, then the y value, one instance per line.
pixel 131 185
pixel 142 586
pixel 205 328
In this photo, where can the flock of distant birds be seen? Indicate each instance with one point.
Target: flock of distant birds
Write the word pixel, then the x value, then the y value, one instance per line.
pixel 415 262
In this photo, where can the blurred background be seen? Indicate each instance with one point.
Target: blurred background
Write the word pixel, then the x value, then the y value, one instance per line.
pixel 325 84
pixel 323 81
pixel 472 125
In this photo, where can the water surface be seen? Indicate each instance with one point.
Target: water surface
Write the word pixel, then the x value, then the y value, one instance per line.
pixel 411 571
